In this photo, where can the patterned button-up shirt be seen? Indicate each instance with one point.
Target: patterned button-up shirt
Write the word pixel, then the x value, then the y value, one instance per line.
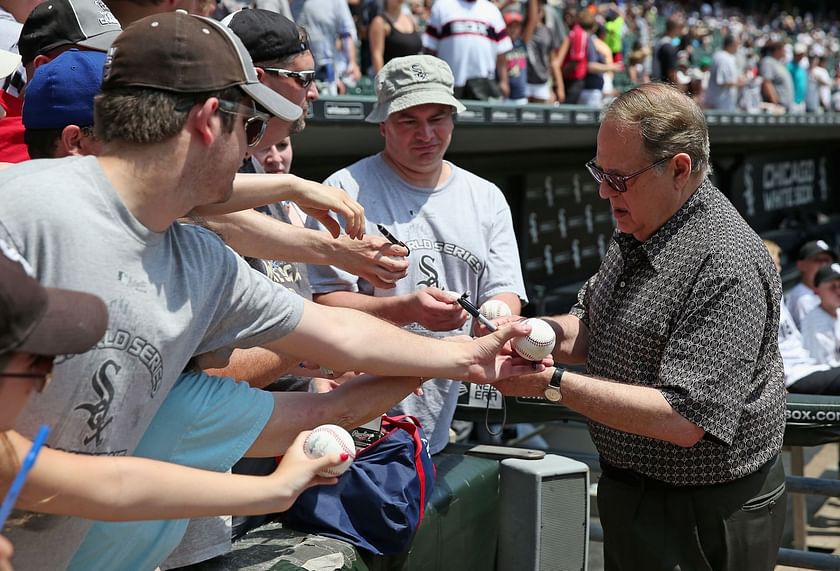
pixel 694 312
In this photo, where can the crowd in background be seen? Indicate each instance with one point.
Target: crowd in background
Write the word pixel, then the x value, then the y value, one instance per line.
pixel 725 58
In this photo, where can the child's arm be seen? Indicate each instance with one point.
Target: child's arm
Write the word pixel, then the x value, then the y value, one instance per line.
pixel 126 488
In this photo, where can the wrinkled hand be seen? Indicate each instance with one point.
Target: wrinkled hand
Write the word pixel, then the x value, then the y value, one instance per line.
pixel 529 385
pixel 372 258
pixel 494 358
pixel 318 200
pixel 436 310
pixel 297 472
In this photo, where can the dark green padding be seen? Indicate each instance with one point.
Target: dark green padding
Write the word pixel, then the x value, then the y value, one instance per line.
pixel 812 420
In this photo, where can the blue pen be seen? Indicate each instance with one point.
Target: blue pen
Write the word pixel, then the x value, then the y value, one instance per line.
pixel 17 485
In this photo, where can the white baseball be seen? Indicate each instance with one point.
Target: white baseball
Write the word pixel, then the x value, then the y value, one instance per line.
pixel 493 308
pixel 538 344
pixel 329 439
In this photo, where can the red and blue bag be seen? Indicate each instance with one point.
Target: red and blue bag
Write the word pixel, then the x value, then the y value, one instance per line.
pixel 379 502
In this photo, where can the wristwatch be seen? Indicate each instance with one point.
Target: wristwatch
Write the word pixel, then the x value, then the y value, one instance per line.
pixel 552 391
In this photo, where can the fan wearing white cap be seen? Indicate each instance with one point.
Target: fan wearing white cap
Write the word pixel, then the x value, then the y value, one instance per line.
pixel 456 225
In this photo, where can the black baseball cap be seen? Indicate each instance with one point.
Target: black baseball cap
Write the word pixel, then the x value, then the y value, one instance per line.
pixel 815 247
pixel 829 272
pixel 44 321
pixel 181 53
pixel 55 23
pixel 267 35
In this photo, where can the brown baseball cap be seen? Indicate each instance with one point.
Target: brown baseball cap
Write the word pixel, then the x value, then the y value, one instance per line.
pixel 178 52
pixel 44 321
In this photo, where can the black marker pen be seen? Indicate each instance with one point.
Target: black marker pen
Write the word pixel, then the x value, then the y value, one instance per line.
pixel 391 238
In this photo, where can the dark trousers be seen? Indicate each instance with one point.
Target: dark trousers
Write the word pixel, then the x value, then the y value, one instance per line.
pixel 653 526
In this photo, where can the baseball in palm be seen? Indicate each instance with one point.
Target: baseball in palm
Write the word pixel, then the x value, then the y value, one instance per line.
pixel 538 344
pixel 330 439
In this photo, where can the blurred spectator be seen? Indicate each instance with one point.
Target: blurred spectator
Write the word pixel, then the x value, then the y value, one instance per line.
pixel 573 56
pixel 472 38
pixel 725 78
pixel 777 83
pixel 516 60
pixel 636 67
pixel 798 68
pixel 614 27
pixel 366 12
pixel 543 43
pixel 420 10
pixel 818 99
pixel 665 52
pixel 328 22
pixel 819 326
pixel 392 33
pixel 599 64
pixel 803 298
pixel 803 374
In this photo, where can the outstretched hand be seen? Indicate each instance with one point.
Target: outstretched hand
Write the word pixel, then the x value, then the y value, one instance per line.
pixel 436 310
pixel 372 258
pixel 297 472
pixel 318 200
pixel 495 359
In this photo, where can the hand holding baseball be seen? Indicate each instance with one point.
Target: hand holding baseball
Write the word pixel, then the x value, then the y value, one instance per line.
pixel 538 344
pixel 495 359
pixel 298 472
pixel 330 439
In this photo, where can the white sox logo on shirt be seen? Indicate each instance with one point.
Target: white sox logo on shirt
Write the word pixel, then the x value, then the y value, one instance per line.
pixel 428 269
pixel 99 418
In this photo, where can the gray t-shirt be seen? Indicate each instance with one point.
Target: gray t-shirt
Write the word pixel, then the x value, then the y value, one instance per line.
pixel 777 73
pixel 543 42
pixel 170 295
pixel 724 70
pixel 461 239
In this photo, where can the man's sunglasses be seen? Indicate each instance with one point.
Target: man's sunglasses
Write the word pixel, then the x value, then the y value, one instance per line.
pixel 616 181
pixel 255 122
pixel 304 78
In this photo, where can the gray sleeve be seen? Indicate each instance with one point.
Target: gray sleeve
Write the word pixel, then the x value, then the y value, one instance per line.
pixel 346 25
pixel 503 272
pixel 250 309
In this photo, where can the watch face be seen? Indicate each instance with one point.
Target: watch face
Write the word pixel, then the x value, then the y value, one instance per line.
pixel 553 394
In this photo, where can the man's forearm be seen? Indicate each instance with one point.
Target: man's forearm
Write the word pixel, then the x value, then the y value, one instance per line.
pixel 629 408
pixel 572 344
pixel 394 309
pixel 259 367
pixel 360 342
pixel 252 190
pixel 350 405
pixel 257 235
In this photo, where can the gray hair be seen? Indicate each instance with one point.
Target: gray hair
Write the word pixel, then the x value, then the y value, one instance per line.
pixel 669 122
